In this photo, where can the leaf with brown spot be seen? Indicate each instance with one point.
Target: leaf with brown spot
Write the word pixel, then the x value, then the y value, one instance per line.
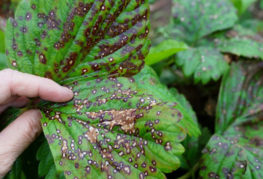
pixel 83 37
pixel 116 127
pixel 241 41
pixel 236 150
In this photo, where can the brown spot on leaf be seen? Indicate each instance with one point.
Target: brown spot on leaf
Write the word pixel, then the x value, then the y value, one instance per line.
pixel 92 135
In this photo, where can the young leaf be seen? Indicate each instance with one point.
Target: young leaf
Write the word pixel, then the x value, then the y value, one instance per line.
pixel 242 42
pixel 198 18
pixel 59 39
pixel 236 149
pixel 203 63
pixel 164 50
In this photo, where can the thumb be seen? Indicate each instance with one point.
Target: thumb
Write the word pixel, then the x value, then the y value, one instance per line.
pixel 16 137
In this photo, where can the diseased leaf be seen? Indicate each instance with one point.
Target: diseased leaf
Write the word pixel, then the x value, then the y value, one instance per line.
pixel 240 92
pixel 241 42
pixel 193 145
pixel 203 64
pixel 236 150
pixel 82 37
pixel 198 18
pixel 164 50
pixel 185 103
pixel 114 128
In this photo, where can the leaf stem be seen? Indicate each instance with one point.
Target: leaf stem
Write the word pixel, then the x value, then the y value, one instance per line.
pixel 191 172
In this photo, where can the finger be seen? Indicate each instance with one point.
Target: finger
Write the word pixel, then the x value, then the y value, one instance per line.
pixel 17 102
pixel 17 137
pixel 7 103
pixel 14 83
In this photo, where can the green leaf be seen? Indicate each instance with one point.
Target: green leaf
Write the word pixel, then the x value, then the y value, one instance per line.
pixel 16 171
pixel 185 103
pixel 9 116
pixel 193 145
pixel 2 41
pixel 242 42
pixel 237 148
pixel 46 163
pixel 242 5
pixel 198 18
pixel 164 50
pixel 3 61
pixel 59 39
pixel 114 127
pixel 203 64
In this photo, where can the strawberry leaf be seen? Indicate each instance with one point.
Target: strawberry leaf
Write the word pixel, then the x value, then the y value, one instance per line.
pixel 203 64
pixel 164 50
pixel 242 42
pixel 198 18
pixel 59 39
pixel 237 148
pixel 116 128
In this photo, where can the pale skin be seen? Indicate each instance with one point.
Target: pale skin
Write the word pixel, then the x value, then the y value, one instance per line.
pixel 15 89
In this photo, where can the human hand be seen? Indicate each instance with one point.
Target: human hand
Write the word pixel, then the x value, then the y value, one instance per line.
pixel 15 87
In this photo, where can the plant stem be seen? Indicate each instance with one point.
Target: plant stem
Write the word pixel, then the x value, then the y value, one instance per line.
pixel 190 173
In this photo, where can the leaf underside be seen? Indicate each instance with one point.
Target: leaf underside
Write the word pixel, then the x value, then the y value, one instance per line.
pixel 236 151
pixel 116 125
